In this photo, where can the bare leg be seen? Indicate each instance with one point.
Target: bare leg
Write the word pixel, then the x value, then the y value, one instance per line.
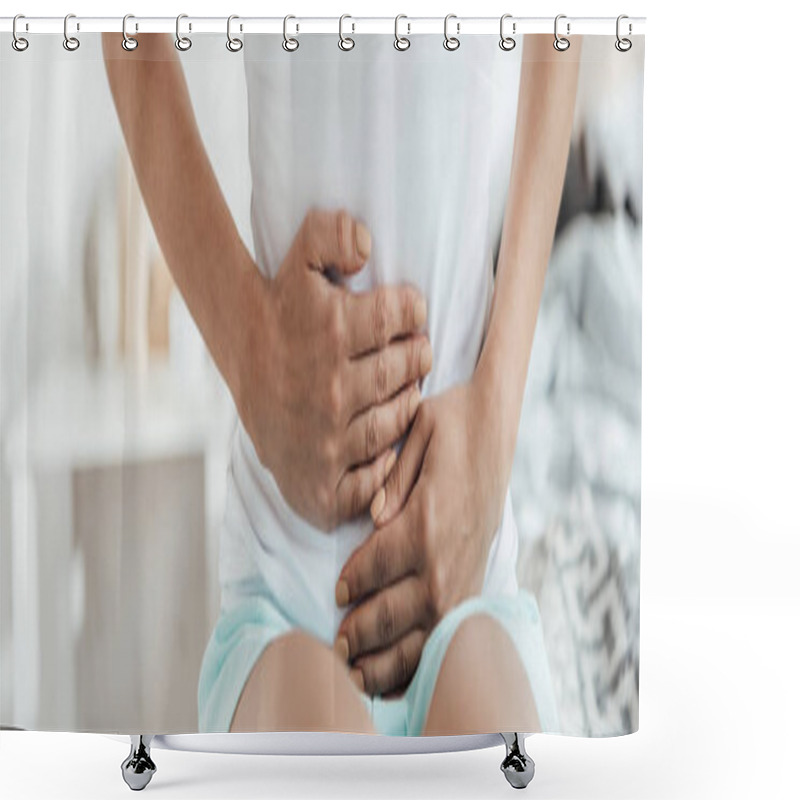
pixel 482 684
pixel 298 684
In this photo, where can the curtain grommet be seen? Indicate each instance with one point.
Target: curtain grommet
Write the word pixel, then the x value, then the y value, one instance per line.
pixel 290 43
pixel 451 43
pixel 71 43
pixel 129 43
pixel 561 43
pixel 623 44
pixel 182 43
pixel 507 43
pixel 401 43
pixel 234 44
pixel 346 43
pixel 19 43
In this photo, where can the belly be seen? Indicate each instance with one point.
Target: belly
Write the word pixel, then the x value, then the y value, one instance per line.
pixel 421 154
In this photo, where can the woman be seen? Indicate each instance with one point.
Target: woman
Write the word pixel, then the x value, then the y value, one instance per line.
pixel 332 619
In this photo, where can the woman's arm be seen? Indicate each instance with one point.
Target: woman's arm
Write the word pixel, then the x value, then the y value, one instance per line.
pixel 444 498
pixel 324 380
pixel 189 214
pixel 548 85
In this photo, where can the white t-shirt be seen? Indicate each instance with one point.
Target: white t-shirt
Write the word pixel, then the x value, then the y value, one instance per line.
pixel 418 145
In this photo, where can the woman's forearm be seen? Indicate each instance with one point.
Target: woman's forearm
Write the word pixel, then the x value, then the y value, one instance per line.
pixel 322 390
pixel 548 84
pixel 197 235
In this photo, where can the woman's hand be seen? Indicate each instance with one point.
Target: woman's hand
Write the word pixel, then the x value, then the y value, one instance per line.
pixel 326 379
pixel 450 481
pixel 435 520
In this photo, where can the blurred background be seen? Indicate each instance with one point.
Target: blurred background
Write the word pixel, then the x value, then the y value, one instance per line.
pixel 114 422
pixel 576 482
pixel 115 426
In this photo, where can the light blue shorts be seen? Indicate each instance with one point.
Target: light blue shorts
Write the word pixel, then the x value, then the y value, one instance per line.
pixel 249 625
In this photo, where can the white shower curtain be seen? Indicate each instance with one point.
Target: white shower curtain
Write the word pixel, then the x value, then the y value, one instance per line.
pixel 154 545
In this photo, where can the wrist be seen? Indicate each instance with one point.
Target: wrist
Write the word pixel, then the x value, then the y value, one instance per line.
pixel 499 411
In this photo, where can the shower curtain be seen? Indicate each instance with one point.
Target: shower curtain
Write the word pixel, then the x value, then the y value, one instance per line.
pixel 321 382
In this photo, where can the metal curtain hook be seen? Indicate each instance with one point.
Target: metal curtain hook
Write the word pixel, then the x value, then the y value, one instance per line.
pixel 560 43
pixel 507 42
pixel 623 45
pixel 18 42
pixel 233 44
pixel 346 42
pixel 290 44
pixel 71 43
pixel 401 42
pixel 183 43
pixel 128 42
pixel 451 42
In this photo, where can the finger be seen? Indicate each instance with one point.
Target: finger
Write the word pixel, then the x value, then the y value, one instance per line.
pixel 385 313
pixel 358 486
pixel 388 554
pixel 333 239
pixel 382 619
pixel 392 669
pixel 372 431
pixel 380 375
pixel 392 496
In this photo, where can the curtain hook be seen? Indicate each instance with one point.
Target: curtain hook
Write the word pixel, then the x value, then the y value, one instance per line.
pixel 451 42
pixel 19 43
pixel 233 44
pixel 128 42
pixel 71 43
pixel 401 42
pixel 346 42
pixel 507 42
pixel 290 44
pixel 560 43
pixel 623 45
pixel 182 43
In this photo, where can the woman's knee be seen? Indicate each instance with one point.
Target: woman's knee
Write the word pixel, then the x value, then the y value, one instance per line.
pixel 480 640
pixel 478 630
pixel 298 684
pixel 481 663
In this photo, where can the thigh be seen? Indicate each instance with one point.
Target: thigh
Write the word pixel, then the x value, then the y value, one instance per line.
pixel 502 637
pixel 298 684
pixel 482 667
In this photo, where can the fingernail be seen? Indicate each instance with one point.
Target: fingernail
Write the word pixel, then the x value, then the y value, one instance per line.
pixel 413 402
pixel 363 241
pixel 342 594
pixel 420 312
pixel 426 358
pixel 389 464
pixel 377 504
pixel 358 678
pixel 342 648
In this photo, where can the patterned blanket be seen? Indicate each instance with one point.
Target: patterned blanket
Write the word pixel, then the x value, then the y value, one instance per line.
pixel 577 472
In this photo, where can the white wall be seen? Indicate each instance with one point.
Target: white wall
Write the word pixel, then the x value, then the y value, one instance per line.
pixel 55 188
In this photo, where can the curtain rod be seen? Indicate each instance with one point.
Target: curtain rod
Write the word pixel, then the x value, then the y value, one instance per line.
pixel 305 25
